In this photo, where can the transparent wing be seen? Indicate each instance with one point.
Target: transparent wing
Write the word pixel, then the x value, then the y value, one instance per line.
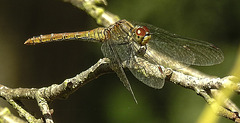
pixel 140 67
pixel 147 73
pixel 110 52
pixel 184 50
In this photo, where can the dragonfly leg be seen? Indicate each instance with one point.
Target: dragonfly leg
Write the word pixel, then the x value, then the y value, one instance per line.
pixel 142 50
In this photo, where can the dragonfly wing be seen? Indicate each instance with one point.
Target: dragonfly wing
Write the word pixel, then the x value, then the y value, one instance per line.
pixel 139 66
pixel 185 50
pixel 111 52
pixel 147 73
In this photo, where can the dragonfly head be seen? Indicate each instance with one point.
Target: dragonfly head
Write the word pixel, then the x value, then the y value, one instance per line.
pixel 141 34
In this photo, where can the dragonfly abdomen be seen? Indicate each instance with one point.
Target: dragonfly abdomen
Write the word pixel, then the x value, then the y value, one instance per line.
pixel 98 34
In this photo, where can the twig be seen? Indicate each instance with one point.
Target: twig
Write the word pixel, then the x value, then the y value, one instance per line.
pixel 46 94
pixel 102 16
pixel 201 86
pixel 7 117
pixel 23 112
pixel 42 103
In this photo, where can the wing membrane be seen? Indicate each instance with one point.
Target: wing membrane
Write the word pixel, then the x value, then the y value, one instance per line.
pixel 185 50
pixel 139 66
pixel 116 64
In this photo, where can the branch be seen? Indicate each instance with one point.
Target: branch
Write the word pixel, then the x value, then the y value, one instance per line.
pixel 46 94
pixel 207 87
pixel 7 117
pixel 102 16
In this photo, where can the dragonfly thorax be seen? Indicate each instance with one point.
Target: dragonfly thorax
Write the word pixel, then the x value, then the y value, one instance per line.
pixel 141 34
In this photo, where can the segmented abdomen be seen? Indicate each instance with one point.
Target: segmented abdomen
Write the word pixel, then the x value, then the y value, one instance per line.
pixel 98 34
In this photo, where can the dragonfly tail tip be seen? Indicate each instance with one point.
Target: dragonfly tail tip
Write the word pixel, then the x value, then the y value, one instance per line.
pixel 29 42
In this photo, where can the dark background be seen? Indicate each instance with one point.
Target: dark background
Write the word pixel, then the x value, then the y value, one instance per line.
pixel 106 99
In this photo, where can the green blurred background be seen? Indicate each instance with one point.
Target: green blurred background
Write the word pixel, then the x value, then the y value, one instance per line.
pixel 105 100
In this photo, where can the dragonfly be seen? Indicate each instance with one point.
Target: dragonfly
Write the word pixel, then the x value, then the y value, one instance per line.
pixel 126 41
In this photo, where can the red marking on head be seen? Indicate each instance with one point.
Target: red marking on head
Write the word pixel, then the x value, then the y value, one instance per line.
pixel 140 32
pixel 142 35
pixel 146 29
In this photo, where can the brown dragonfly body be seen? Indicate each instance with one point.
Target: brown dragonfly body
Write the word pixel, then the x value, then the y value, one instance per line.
pixel 97 34
pixel 121 28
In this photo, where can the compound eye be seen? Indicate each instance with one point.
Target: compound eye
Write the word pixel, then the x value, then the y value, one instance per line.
pixel 141 32
pixel 146 29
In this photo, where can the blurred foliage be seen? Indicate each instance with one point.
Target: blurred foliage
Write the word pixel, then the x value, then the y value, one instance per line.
pixel 106 99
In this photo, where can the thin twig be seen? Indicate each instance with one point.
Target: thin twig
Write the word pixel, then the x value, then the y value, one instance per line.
pixel 102 16
pixel 22 112
pixel 7 117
